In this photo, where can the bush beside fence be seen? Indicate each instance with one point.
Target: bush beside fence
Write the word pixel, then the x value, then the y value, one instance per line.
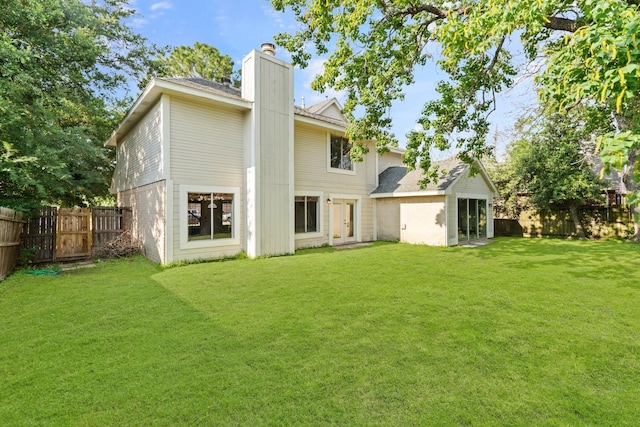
pixel 10 228
pixel 599 222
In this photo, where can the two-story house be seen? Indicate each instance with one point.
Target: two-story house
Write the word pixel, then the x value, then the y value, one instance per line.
pixel 210 170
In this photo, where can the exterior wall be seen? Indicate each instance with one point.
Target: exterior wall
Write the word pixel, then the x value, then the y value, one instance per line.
pixel 452 219
pixel 139 154
pixel 475 187
pixel 269 155
pixel 333 112
pixel 389 159
pixel 423 221
pixel 312 175
pixel 419 220
pixel 148 218
pixel 388 218
pixel 206 153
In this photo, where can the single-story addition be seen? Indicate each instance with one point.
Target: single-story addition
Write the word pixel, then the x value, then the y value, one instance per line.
pixel 210 171
pixel 456 209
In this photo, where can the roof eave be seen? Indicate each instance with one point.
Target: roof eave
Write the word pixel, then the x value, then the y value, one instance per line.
pixel 408 194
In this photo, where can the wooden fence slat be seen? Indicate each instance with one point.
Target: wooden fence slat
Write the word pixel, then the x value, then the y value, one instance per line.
pixel 599 222
pixel 10 227
pixel 67 234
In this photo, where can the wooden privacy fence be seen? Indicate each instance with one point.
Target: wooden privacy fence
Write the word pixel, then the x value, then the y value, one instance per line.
pixel 599 222
pixel 71 234
pixel 10 227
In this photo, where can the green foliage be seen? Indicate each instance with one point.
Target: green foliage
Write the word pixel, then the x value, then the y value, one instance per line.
pixel 527 332
pixel 63 66
pixel 374 47
pixel 201 60
pixel 549 165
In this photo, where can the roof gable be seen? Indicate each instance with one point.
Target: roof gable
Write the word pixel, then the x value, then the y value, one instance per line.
pixel 329 108
pixel 398 180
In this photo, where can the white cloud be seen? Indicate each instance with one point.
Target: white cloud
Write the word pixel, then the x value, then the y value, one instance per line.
pixel 139 22
pixel 161 5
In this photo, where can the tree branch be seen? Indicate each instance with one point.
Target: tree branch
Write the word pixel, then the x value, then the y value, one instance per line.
pixel 551 22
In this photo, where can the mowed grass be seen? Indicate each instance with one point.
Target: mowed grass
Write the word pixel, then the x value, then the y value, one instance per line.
pixel 518 332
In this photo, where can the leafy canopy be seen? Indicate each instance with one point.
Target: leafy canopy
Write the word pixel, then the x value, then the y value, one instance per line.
pixel 550 163
pixel 200 60
pixel 64 65
pixel 590 50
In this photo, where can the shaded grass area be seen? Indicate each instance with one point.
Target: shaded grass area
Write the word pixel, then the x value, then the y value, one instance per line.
pixel 518 332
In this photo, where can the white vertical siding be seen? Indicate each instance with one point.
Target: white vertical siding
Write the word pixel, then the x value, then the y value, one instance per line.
pixel 139 153
pixel 148 218
pixel 268 157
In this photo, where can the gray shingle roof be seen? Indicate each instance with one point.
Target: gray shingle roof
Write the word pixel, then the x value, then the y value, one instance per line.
pixel 232 92
pixel 396 179
pixel 205 85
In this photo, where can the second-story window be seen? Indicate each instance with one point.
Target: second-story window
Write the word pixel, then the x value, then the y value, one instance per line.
pixel 340 151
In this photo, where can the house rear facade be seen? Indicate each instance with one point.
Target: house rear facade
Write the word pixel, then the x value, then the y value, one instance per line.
pixel 210 171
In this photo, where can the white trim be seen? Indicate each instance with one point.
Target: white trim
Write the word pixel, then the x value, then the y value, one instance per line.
pixel 319 219
pixel 358 214
pixel 168 226
pixel 184 226
pixel 320 123
pixel 408 194
pixel 153 91
pixel 330 169
pixel 474 196
pixel 165 135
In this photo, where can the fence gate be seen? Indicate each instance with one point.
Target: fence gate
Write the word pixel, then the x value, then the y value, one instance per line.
pixel 72 238
pixel 64 234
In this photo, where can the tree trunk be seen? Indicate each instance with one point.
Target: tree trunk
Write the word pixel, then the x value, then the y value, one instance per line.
pixel 631 185
pixel 575 217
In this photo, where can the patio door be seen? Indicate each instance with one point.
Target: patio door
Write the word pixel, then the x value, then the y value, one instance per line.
pixel 472 219
pixel 343 216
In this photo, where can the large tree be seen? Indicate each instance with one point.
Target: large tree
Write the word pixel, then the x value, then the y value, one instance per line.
pixel 588 47
pixel 200 60
pixel 549 165
pixel 65 66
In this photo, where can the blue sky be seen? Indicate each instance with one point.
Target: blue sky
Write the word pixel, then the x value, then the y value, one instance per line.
pixel 236 26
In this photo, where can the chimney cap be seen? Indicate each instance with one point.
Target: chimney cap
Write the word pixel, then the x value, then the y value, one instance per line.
pixel 268 48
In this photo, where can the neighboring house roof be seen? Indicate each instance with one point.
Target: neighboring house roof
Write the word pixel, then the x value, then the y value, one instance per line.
pixel 398 181
pixel 208 89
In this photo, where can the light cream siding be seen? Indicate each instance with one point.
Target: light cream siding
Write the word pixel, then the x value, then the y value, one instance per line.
pixel 139 154
pixel 206 150
pixel 388 218
pixel 423 220
pixel 148 218
pixel 386 160
pixel 473 185
pixel 333 112
pixel 311 175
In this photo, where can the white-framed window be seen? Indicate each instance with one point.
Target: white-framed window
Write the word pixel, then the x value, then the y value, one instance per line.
pixel 306 214
pixel 339 152
pixel 308 208
pixel 208 216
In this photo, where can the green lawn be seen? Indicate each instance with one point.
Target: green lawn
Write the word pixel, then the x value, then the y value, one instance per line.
pixel 518 332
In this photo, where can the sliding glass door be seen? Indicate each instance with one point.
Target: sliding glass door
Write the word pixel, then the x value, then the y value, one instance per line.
pixel 472 219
